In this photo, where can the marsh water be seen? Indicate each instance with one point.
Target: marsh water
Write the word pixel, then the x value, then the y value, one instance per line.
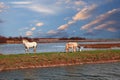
pixel 106 71
pixel 42 47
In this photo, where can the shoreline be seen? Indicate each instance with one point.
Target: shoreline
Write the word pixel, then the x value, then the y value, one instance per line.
pixel 57 65
pixel 41 60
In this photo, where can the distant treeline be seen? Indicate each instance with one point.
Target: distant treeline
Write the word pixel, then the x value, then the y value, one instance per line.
pixel 4 39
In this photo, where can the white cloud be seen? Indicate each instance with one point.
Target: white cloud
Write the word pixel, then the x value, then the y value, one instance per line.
pixel 39 24
pixel 34 28
pixel 51 32
pixel 36 6
pixel 40 9
pixel 2 7
pixel 29 33
pixel 78 3
pixel 71 22
pixel 63 27
pixel 21 2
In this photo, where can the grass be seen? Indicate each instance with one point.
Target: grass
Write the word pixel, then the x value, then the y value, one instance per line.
pixel 16 61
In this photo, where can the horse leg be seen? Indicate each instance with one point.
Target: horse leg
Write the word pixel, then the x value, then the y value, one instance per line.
pixel 74 49
pixel 67 49
pixel 34 50
pixel 26 50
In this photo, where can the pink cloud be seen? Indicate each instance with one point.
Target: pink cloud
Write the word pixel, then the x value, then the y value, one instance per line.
pixel 105 25
pixel 99 19
pixel 111 29
pixel 84 13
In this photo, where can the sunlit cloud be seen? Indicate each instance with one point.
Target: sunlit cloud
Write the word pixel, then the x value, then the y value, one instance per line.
pixel 34 28
pixel 111 29
pixel 71 22
pixel 39 24
pixel 85 13
pixel 105 25
pixel 63 27
pixel 100 19
pixel 78 3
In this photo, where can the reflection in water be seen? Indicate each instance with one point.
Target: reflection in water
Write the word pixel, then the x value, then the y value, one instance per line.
pixel 107 71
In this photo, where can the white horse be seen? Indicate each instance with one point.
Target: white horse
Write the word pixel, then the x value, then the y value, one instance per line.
pixel 72 45
pixel 28 45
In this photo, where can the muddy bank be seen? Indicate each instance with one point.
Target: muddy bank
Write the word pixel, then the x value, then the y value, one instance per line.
pixel 55 65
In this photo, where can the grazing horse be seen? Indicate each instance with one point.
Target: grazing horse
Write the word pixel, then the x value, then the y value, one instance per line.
pixel 72 45
pixel 28 45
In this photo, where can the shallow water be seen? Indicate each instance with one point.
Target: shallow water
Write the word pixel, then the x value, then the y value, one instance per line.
pixel 106 71
pixel 42 47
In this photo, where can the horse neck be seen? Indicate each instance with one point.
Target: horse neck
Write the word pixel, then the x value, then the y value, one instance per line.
pixel 25 42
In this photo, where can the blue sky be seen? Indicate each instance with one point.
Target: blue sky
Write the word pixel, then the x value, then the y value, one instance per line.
pixel 60 18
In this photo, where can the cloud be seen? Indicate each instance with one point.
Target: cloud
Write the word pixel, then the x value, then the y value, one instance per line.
pixel 56 34
pixel 78 3
pixel 40 8
pixel 63 27
pixel 36 6
pixel 34 28
pixel 85 13
pixel 23 29
pixel 39 24
pixel 105 25
pixel 111 29
pixel 21 2
pixel 51 32
pixel 29 33
pixel 99 19
pixel 3 7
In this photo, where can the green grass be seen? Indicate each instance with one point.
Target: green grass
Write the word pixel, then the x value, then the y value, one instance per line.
pixel 51 58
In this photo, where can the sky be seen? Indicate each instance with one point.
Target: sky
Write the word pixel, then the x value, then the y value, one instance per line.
pixel 60 18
